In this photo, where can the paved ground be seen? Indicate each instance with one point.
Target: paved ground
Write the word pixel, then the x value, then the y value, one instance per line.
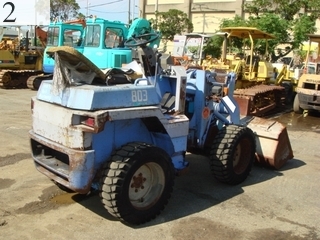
pixel 270 204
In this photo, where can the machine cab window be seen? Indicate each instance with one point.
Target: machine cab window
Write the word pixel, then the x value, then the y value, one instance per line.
pixel 72 38
pixel 92 36
pixel 53 36
pixel 113 38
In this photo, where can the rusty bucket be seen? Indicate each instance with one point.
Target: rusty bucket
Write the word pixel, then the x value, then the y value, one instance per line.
pixel 273 144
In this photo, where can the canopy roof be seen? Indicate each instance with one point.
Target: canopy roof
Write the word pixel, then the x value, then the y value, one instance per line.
pixel 245 32
pixel 314 37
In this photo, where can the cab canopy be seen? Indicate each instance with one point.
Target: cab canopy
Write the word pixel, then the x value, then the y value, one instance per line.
pixel 247 32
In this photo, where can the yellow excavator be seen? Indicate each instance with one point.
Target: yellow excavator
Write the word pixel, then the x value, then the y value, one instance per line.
pixel 255 90
pixel 18 61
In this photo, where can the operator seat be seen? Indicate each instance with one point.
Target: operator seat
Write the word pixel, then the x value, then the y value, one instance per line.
pixel 255 63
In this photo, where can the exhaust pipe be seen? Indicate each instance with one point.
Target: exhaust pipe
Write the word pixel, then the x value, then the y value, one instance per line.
pixel 27 41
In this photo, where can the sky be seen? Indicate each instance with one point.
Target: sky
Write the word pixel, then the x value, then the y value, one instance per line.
pixel 114 10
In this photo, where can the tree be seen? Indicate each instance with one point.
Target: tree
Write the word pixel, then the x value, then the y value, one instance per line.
pixel 213 47
pixel 283 19
pixel 237 21
pixel 215 44
pixel 171 23
pixel 64 10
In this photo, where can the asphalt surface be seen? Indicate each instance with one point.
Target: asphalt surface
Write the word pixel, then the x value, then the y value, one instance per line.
pixel 270 204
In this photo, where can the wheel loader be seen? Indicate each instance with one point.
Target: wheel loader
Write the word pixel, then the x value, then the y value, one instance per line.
pixel 308 89
pixel 18 62
pixel 128 140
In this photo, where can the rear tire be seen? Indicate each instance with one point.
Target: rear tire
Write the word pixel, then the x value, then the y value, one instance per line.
pixel 232 154
pixel 296 105
pixel 137 182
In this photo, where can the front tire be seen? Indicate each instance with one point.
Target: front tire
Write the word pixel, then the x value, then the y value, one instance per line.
pixel 296 105
pixel 232 154
pixel 137 183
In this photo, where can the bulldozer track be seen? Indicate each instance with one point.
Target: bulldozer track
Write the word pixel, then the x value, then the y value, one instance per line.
pixel 16 78
pixel 34 82
pixel 259 99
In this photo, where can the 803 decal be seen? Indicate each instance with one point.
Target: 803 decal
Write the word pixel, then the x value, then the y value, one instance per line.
pixel 139 96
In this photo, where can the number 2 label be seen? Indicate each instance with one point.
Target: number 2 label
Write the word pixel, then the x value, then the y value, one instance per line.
pixel 7 19
pixel 17 13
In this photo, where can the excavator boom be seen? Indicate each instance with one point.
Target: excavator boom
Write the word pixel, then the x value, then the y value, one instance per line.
pixel 42 35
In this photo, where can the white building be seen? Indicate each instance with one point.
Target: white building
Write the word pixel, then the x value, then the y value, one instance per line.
pixel 204 14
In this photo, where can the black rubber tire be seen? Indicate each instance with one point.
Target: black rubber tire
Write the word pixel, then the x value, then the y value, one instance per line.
pixel 289 92
pixel 232 154
pixel 133 196
pixel 296 105
pixel 37 83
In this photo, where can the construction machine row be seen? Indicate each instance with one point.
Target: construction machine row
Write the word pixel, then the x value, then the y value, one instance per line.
pixel 258 90
pixel 98 39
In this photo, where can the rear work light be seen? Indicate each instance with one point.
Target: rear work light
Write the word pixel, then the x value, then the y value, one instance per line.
pixel 93 124
pixel 90 122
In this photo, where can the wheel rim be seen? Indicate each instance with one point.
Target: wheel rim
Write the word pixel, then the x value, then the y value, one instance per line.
pixel 241 156
pixel 6 78
pixel 146 186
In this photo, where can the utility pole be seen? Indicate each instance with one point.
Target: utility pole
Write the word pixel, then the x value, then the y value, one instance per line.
pixel 204 21
pixel 133 9
pixel 203 18
pixel 156 6
pixel 87 14
pixel 155 11
pixel 129 12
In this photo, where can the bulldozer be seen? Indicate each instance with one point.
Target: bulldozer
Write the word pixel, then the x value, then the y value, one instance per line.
pixel 255 90
pixel 18 61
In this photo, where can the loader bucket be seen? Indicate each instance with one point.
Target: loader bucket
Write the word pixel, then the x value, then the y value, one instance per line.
pixel 244 105
pixel 273 144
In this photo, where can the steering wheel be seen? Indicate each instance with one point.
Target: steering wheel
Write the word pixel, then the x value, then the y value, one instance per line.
pixel 140 40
